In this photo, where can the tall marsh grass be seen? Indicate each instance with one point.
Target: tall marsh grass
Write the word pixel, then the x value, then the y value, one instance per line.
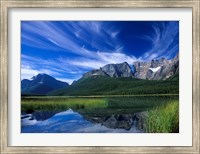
pixel 164 119
pixel 62 103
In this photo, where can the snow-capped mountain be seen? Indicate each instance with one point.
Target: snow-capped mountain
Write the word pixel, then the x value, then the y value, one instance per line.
pixel 161 69
pixel 156 69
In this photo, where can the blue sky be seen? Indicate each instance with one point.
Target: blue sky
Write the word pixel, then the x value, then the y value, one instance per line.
pixel 67 49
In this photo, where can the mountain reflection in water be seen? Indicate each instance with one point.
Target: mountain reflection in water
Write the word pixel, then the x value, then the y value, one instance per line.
pixel 72 122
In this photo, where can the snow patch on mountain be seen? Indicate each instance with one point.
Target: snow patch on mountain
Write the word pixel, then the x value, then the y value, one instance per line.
pixel 155 69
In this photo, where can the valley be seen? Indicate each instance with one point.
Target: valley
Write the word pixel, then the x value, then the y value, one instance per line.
pixel 139 98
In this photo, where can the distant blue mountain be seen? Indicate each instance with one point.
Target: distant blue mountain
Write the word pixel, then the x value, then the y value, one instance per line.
pixel 41 85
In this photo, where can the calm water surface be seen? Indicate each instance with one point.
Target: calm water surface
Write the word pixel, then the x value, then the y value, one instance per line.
pixel 122 115
pixel 66 122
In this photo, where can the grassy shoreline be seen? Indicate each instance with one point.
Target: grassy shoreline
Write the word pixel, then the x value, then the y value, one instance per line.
pixel 60 104
pixel 163 113
pixel 164 119
pixel 100 96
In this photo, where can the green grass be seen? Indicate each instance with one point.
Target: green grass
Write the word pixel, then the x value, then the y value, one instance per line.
pixel 32 104
pixel 164 119
pixel 143 102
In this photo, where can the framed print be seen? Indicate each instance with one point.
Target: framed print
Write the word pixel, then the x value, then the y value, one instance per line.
pixel 100 76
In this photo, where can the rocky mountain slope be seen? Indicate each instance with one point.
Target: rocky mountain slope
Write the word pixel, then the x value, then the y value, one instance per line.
pixel 41 85
pixel 161 69
pixel 112 70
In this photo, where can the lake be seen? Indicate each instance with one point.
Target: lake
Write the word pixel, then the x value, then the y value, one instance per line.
pixel 88 114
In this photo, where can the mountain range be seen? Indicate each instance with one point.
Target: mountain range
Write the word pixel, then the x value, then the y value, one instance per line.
pixel 112 70
pixel 41 85
pixel 156 76
pixel 161 69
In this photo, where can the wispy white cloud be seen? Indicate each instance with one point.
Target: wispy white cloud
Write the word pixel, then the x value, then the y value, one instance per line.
pixel 162 39
pixel 28 73
pixel 72 67
pixel 93 43
pixel 31 66
pixel 42 31
pixel 86 63
pixel 114 34
pixel 46 35
pixel 115 57
pixel 97 60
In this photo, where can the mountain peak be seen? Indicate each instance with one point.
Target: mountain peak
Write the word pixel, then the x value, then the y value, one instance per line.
pixel 112 70
pixel 156 69
pixel 39 75
pixel 125 63
pixel 41 84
